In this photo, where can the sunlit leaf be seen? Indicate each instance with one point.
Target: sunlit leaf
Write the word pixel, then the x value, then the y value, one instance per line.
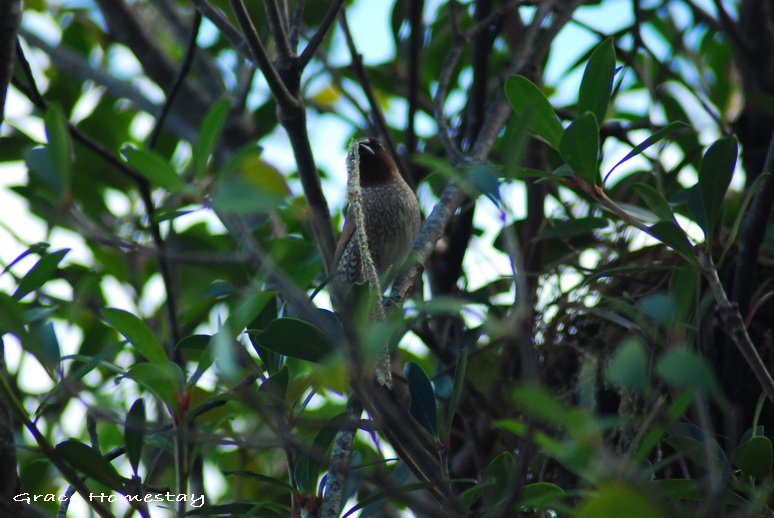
pixel 597 83
pixel 209 132
pixel 140 336
pixel 525 97
pixel 154 168
pixel 579 147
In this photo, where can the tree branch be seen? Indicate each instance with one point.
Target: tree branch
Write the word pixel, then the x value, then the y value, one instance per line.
pixel 734 326
pixel 376 111
pixel 751 234
pixel 278 28
pixel 10 17
pixel 319 35
pixel 258 54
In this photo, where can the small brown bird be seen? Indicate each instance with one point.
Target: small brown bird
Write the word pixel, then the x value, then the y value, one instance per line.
pixel 391 214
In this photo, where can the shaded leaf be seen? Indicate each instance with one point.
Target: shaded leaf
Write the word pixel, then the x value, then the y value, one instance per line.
pixel 572 227
pixel 295 337
pixel 655 202
pixel 309 467
pixel 91 463
pixel 755 457
pixel 41 273
pixel 715 172
pixel 134 433
pixel 422 397
pixel 685 369
pixel 628 368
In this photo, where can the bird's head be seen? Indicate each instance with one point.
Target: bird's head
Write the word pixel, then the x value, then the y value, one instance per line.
pixel 376 165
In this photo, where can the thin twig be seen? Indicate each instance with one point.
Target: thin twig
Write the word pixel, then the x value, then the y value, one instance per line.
pixel 319 35
pixel 296 24
pixel 232 34
pixel 414 70
pixel 279 30
pixel 174 90
pixel 751 234
pixel 261 57
pixel 376 111
pixel 10 17
pixel 341 455
pixel 734 325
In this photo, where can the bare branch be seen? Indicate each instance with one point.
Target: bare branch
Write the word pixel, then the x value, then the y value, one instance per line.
pixel 279 30
pixel 734 326
pixel 319 35
pixel 296 24
pixel 259 55
pixel 231 33
pixel 10 17
pixel 376 111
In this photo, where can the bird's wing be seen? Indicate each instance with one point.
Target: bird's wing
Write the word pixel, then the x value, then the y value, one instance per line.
pixel 346 235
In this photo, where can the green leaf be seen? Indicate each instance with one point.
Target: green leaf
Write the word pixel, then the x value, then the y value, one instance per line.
pixel 140 336
pixel 163 381
pixel 537 403
pixel 11 316
pixel 209 132
pixel 684 368
pixel 248 184
pixel 41 273
pixel 134 433
pixel 579 147
pixel 257 476
pixel 499 473
pixel 309 467
pixel 154 168
pixel 572 227
pixel 296 338
pixel 221 343
pixel 459 384
pixel 44 344
pixel 91 463
pixel 277 384
pixel 597 83
pixel 541 496
pixel 59 146
pixel 715 172
pixel 655 202
pixel 528 100
pixel 674 237
pixel 755 457
pixel 628 367
pixel 422 397
pixel 615 500
pixel 664 132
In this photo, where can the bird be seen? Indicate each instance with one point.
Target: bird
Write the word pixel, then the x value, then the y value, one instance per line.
pixel 391 214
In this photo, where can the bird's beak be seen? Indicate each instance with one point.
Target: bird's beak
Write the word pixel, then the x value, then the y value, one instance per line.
pixel 369 149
